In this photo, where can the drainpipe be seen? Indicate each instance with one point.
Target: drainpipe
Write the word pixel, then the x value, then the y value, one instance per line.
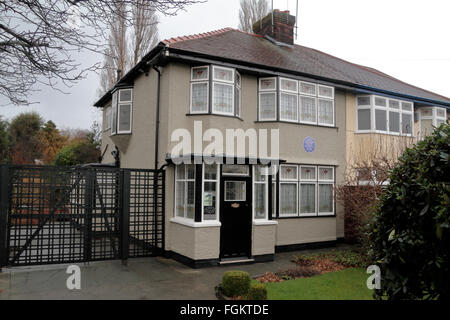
pixel 157 116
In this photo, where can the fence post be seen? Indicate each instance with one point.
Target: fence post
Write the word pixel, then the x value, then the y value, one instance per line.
pixel 125 214
pixel 4 203
pixel 88 205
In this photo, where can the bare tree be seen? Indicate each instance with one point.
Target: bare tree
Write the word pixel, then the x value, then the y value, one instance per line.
pixel 250 12
pixel 38 39
pixel 145 27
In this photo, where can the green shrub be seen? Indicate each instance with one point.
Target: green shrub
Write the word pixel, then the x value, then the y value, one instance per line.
pixel 257 291
pixel 410 231
pixel 235 283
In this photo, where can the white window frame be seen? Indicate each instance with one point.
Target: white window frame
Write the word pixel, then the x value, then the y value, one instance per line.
pixel 200 80
pixel 238 88
pixel 279 107
pixel 325 97
pixel 185 179
pixel 266 183
pixel 207 98
pixel 285 90
pixel 121 103
pixel 325 182
pixel 217 181
pixel 333 111
pixel 288 181
pixel 307 94
pixel 236 174
pixel 221 80
pixel 267 78
pixel 259 104
pixel 307 181
pixel 108 119
pixel 300 110
pixel 374 113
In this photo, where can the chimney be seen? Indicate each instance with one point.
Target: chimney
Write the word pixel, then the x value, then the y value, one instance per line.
pixel 282 29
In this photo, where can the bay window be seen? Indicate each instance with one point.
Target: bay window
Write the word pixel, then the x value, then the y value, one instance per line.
pixel 224 86
pixel 383 115
pixel 290 100
pixel 430 117
pixel 121 111
pixel 306 191
pixel 260 192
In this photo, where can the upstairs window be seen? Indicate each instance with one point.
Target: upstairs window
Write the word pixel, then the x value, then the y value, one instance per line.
pixel 290 100
pixel 122 111
pixel 216 90
pixel 383 115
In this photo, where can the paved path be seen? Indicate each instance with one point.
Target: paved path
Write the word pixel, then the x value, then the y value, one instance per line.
pixel 143 278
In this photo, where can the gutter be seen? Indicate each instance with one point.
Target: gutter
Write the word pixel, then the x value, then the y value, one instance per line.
pixel 158 95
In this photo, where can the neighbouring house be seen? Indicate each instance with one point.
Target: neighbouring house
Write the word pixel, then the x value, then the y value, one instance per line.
pixel 322 106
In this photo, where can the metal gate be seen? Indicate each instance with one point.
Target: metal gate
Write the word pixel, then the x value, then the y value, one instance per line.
pixel 78 214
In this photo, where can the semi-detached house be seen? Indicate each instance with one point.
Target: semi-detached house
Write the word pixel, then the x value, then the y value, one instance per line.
pixel 228 79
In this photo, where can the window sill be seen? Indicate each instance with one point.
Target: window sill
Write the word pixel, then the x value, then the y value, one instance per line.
pixel 264 222
pixel 213 114
pixel 297 123
pixel 385 133
pixel 193 224
pixel 120 134
pixel 307 217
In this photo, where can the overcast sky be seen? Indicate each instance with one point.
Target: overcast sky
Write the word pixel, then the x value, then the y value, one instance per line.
pixel 407 39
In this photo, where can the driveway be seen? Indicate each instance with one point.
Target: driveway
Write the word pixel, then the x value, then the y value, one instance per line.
pixel 143 278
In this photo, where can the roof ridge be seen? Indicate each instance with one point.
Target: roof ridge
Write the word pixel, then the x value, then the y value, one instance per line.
pixel 196 36
pixel 375 71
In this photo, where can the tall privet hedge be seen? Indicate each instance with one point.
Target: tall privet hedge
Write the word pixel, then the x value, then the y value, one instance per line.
pixel 410 238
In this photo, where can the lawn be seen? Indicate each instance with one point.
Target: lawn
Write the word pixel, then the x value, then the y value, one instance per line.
pixel 348 284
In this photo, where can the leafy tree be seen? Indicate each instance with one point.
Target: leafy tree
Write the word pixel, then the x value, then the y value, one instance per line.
pixel 410 231
pixel 4 140
pixel 80 151
pixel 25 143
pixel 51 141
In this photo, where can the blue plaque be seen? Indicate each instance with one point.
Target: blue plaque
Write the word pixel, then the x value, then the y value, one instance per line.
pixel 309 144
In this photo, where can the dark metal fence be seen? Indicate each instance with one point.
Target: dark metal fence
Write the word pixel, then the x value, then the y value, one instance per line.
pixel 79 214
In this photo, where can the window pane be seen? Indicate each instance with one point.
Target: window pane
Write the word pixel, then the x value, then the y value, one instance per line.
pixel 326 174
pixel 407 106
pixel 107 124
pixel 394 104
pixel 307 198
pixel 190 171
pixel 380 120
pixel 364 119
pixel 124 117
pixel 261 173
pixel 180 198
pixel 200 73
pixel 440 113
pixel 326 111
pixel 125 95
pixel 325 198
pixel 380 102
pixel 210 172
pixel 288 172
pixel 199 97
pixel 427 112
pixel 260 201
pixel 363 101
pixel 114 113
pixel 223 98
pixel 288 85
pixel 190 201
pixel 288 198
pixel 394 121
pixel 307 109
pixel 406 123
pixel 235 190
pixel 235 169
pixel 209 201
pixel 274 198
pixel 325 91
pixel 308 88
pixel 237 101
pixel 179 172
pixel 288 107
pixel 267 84
pixel 223 74
pixel 267 102
pixel 308 173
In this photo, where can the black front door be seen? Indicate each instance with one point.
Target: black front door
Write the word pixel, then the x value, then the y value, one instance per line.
pixel 236 217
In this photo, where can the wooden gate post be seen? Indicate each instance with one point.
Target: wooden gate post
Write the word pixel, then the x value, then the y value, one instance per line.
pixel 125 177
pixel 4 203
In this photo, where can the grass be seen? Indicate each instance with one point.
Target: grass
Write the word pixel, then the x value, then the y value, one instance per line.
pixel 348 284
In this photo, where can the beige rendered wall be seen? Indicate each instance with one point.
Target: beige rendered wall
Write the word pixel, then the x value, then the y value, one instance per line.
pixel 263 239
pixel 306 230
